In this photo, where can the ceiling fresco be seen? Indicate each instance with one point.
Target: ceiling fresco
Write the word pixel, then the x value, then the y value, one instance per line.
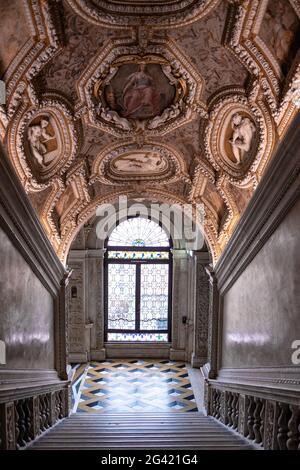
pixel 177 101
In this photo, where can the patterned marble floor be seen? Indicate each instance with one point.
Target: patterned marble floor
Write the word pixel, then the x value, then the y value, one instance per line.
pixel 136 385
pixel 79 371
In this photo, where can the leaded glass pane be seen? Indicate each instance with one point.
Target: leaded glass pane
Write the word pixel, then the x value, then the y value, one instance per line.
pixel 154 296
pixel 137 337
pixel 132 255
pixel 121 296
pixel 138 232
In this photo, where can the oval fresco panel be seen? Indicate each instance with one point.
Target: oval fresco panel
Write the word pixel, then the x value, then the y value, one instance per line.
pixel 139 91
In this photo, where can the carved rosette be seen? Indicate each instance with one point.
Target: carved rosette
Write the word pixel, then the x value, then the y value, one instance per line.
pixel 126 14
pixel 43 142
pixel 97 108
pixel 238 138
pixel 125 163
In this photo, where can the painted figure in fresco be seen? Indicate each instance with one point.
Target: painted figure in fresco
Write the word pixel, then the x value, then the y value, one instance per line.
pixel 282 25
pixel 65 202
pixel 38 136
pixel 243 131
pixel 140 92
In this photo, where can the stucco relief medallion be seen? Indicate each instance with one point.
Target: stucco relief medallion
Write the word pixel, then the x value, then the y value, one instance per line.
pixel 43 143
pixel 236 137
pixel 140 93
pixel 139 163
pixel 128 163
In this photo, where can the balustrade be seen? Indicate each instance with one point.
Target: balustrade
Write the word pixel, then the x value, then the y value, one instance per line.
pixel 293 442
pixel 275 425
pixel 21 421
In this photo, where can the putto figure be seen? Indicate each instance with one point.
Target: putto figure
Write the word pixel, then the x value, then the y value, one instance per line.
pixel 243 132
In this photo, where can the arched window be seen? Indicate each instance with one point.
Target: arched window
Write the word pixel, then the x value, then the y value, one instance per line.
pixel 138 282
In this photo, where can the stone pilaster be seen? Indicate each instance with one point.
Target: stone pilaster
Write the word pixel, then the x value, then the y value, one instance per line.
pixel 201 310
pixel 95 302
pixel 62 328
pixel 213 323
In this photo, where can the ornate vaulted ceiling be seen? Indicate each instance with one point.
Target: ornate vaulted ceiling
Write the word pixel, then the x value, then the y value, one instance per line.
pixel 174 101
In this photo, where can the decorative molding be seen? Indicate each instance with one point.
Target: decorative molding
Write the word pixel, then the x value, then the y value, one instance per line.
pixel 220 132
pixel 148 193
pixel 174 65
pixel 272 200
pixel 242 37
pixel 47 38
pixel 279 376
pixel 268 100
pixel 127 14
pixel 26 135
pixel 23 389
pixel 20 221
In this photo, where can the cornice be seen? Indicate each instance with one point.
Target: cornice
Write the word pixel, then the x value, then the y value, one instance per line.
pixel 19 220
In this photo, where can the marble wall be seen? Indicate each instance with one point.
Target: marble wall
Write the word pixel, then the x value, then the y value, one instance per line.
pixel 26 313
pixel 261 310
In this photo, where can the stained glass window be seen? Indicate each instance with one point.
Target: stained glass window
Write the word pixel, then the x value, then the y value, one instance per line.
pixel 138 232
pixel 137 306
pixel 121 296
pixel 154 296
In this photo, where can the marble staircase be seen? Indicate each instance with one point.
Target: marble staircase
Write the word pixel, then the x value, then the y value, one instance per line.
pixel 103 431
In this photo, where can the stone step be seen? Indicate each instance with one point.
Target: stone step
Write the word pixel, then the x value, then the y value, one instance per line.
pixel 133 430
pixel 140 431
pixel 150 446
pixel 193 415
pixel 121 437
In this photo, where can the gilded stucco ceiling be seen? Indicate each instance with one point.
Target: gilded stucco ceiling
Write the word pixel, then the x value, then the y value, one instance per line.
pixel 180 101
